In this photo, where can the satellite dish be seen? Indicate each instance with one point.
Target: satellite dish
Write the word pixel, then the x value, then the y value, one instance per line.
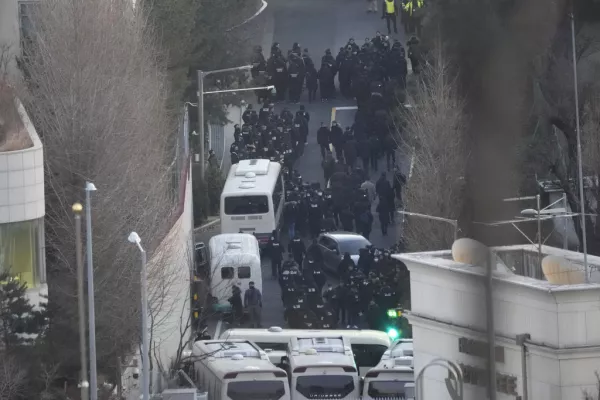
pixel 560 271
pixel 469 251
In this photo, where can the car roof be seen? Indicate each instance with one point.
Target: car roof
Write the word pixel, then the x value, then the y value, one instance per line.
pixel 341 235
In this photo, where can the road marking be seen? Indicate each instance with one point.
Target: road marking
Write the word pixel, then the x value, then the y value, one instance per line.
pixel 218 329
pixel 412 164
pixel 206 227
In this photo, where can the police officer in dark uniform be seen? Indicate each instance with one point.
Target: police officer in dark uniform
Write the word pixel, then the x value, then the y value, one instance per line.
pixel 315 217
pixel 276 253
pixel 297 249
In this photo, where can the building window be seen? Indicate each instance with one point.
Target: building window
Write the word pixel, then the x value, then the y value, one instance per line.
pixel 21 251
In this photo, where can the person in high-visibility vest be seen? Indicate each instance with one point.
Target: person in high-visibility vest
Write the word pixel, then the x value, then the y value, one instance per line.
pixel 412 9
pixel 390 12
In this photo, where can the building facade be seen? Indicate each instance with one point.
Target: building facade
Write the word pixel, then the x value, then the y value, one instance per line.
pixel 448 319
pixel 22 210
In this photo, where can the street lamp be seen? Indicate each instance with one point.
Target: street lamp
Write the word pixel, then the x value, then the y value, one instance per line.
pixel 83 384
pixel 201 76
pixel 89 188
pixel 135 239
pixel 452 222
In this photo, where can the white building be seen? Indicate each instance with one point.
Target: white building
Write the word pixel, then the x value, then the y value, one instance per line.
pixel 22 206
pixel 449 320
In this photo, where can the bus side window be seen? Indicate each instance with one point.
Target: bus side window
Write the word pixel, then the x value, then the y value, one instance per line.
pixel 277 195
pixel 227 273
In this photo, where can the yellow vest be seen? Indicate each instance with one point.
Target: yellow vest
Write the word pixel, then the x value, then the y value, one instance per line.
pixel 409 7
pixel 389 7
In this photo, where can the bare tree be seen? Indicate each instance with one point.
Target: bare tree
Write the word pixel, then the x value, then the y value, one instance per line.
pixel 97 94
pixel 435 129
pixel 13 378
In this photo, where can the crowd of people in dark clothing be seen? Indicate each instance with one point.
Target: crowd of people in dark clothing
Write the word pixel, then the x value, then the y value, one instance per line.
pixel 371 74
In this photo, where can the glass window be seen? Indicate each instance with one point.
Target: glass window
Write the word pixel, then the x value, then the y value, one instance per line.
pixel 277 195
pixel 244 272
pixel 20 251
pixel 327 243
pixel 387 389
pixel 325 386
pixel 273 346
pixel 353 245
pixel 368 355
pixel 259 390
pixel 245 205
pixel 227 273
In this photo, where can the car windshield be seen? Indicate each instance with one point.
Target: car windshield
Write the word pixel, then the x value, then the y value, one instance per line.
pixel 325 386
pixel 388 389
pixel 353 244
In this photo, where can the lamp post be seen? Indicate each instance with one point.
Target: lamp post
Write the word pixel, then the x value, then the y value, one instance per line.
pixel 135 239
pixel 579 156
pixel 201 76
pixel 89 188
pixel 83 384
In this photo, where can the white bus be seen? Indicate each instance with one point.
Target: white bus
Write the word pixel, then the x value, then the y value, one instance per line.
pixel 234 259
pixel 237 370
pixel 252 199
pixel 389 380
pixel 321 368
pixel 368 346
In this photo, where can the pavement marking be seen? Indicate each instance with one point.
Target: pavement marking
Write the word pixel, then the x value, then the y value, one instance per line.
pixel 218 329
pixel 260 10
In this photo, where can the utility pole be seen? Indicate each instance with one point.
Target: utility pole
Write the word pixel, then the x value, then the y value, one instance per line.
pixel 201 122
pixel 84 384
pixel 489 299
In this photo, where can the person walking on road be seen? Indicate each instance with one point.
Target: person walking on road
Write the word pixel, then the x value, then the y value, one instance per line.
pixel 236 305
pixel 390 14
pixel 253 303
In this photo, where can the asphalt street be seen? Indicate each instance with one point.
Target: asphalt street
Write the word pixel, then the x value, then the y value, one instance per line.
pixel 317 25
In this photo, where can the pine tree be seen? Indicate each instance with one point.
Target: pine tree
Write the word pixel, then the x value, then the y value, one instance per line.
pixel 17 315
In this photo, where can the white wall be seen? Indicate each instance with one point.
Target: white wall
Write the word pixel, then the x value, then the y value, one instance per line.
pixel 22 179
pixel 169 281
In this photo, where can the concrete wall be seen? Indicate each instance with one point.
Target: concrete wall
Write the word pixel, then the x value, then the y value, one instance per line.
pixel 169 291
pixel 22 179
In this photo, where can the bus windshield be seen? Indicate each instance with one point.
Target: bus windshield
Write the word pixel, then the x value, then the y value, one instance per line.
pixel 259 390
pixel 325 386
pixel 246 205
pixel 387 389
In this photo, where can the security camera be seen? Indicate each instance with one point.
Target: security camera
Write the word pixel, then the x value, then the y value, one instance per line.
pixel 136 373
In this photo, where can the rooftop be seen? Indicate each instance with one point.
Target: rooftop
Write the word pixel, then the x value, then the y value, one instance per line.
pixel 13 134
pixel 518 264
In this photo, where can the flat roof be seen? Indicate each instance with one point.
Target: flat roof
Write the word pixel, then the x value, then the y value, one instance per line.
pixel 443 259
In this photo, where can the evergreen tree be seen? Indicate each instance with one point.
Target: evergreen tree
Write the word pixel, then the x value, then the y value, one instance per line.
pixel 17 315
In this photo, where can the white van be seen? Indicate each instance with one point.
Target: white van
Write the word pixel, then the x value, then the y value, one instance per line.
pixel 237 370
pixel 321 368
pixel 389 379
pixel 368 346
pixel 252 199
pixel 234 259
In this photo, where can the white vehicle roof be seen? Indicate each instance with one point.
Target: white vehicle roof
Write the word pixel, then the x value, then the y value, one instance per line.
pixel 232 356
pixel 233 248
pixel 276 334
pixel 251 177
pixel 310 351
pixel 399 348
